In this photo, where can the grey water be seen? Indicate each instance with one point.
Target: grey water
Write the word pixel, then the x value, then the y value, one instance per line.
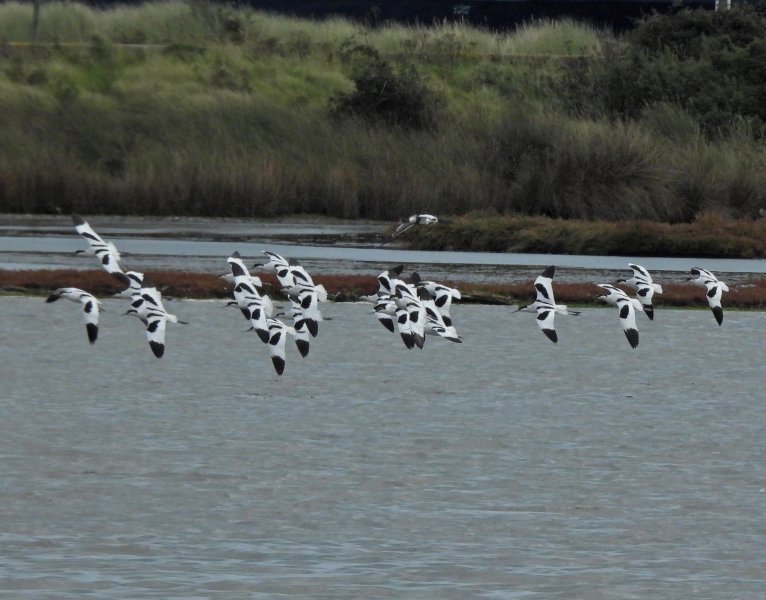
pixel 353 248
pixel 502 467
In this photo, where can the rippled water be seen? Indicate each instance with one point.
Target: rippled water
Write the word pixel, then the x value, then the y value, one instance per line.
pixel 503 467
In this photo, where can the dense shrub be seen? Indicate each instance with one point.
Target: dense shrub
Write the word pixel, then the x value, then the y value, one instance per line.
pixel 713 64
pixel 384 94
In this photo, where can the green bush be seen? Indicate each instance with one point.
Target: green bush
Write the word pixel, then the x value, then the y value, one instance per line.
pixel 713 64
pixel 384 94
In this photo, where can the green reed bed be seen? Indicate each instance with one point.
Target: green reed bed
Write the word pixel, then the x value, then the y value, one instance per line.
pixel 199 109
pixel 710 235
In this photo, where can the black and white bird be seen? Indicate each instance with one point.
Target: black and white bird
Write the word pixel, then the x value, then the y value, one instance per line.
pixel 106 252
pixel 627 307
pixel 410 314
pixel 435 323
pixel 147 306
pixel 255 307
pixel 422 219
pixel 90 307
pixel 545 305
pixel 645 288
pixel 714 289
pixel 442 296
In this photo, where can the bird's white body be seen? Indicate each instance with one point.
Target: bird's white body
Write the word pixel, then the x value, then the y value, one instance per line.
pixel 90 307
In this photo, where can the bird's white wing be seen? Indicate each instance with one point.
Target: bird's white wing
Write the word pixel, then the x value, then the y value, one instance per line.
pixel 155 333
pixel 545 321
pixel 713 294
pixel 277 339
pixel 405 226
pixel 105 251
pixel 90 310
pixel 640 273
pixel 628 321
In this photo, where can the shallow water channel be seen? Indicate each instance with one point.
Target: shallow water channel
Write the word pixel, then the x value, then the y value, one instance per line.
pixel 336 247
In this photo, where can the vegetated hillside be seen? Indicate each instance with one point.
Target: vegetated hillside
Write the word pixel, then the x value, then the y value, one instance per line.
pixel 196 109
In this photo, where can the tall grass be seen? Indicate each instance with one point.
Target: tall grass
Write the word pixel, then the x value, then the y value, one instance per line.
pixel 223 111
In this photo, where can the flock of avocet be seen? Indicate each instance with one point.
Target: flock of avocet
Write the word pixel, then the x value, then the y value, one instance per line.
pixel 412 306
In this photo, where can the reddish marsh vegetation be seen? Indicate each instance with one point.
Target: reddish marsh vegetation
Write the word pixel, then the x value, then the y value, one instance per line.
pixel 751 294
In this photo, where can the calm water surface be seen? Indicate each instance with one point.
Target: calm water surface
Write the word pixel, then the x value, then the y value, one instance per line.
pixel 503 467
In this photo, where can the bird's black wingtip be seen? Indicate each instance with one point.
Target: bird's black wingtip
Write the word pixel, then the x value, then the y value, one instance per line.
pixel 303 347
pixel 551 335
pixel 549 271
pixel 157 348
pixel 77 219
pixel 313 327
pixel 632 335
pixel 92 332
pixel 718 314
pixel 279 364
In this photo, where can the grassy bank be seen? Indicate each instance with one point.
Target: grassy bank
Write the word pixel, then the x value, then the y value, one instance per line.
pixel 751 295
pixel 709 235
pixel 196 109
